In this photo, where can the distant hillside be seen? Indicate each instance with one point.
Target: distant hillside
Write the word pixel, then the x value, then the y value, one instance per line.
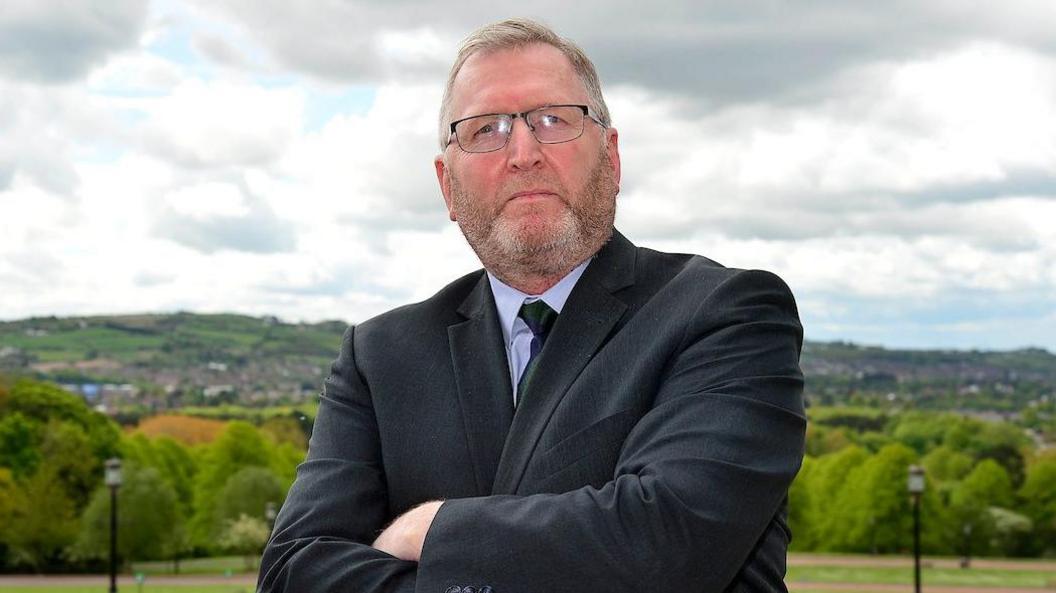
pixel 175 360
pixel 163 361
pixel 840 372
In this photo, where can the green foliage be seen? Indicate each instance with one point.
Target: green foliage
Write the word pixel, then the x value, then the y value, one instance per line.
pixel 973 500
pixel 856 419
pixel 872 510
pixel 172 460
pixel 944 464
pixel 147 518
pixel 247 493
pixel 921 431
pixel 1039 494
pixel 1011 532
pixel 285 429
pixel 43 521
pixel 246 535
pixel 41 403
pixel 7 510
pixel 18 451
pixel 988 485
pixel 51 448
pixel 814 492
pixel 850 495
pixel 239 446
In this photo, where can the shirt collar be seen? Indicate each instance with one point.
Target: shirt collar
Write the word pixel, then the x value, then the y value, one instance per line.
pixel 508 300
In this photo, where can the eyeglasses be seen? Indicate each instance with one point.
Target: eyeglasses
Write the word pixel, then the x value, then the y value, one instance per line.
pixel 552 124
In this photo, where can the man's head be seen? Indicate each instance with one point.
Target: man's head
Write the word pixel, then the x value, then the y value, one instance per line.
pixel 528 208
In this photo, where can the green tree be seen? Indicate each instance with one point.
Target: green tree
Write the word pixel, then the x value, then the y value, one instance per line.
pixel 827 479
pixel 800 517
pixel 285 429
pixel 1003 442
pixel 239 446
pixel 44 402
pixel 1012 532
pixel 248 492
pixel 873 510
pixel 986 487
pixel 172 460
pixel 944 464
pixel 920 431
pixel 246 536
pixel 44 521
pixel 148 518
pixel 1039 497
pixel 69 451
pixel 7 512
pixel 18 444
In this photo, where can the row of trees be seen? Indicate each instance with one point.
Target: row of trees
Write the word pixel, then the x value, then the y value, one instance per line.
pixel 176 499
pixel 989 491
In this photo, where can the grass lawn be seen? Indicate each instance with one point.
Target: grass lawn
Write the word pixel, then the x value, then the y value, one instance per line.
pixel 974 577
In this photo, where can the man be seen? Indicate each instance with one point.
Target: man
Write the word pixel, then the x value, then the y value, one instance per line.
pixel 643 441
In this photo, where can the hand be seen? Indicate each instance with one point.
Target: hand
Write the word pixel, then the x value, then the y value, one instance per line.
pixel 405 536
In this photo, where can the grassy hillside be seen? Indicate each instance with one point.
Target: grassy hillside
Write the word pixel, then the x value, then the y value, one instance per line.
pixel 184 359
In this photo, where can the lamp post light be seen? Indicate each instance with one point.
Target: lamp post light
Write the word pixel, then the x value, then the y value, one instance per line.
pixel 113 481
pixel 966 562
pixel 916 488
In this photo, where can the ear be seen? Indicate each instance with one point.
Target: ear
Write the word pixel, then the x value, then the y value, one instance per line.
pixel 443 176
pixel 612 146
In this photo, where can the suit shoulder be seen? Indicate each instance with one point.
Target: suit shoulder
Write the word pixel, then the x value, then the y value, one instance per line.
pixel 705 274
pixel 437 311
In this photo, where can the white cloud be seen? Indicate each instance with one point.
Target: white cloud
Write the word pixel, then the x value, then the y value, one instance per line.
pixel 217 124
pixel 56 41
pixel 208 200
pixel 902 183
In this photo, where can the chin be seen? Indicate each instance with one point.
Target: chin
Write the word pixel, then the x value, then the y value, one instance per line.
pixel 535 234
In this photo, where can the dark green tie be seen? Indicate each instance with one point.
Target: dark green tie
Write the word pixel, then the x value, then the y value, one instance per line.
pixel 539 318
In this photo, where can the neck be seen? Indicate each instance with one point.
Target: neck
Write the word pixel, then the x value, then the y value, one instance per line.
pixel 527 282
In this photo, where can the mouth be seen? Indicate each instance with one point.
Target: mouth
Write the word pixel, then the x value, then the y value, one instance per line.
pixel 531 194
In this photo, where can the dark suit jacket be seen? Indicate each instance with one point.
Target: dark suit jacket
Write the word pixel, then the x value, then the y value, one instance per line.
pixel 652 451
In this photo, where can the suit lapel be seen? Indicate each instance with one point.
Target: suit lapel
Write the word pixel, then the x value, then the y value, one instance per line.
pixel 483 379
pixel 585 321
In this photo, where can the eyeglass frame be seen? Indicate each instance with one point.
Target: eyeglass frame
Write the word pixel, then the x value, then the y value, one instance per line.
pixel 587 114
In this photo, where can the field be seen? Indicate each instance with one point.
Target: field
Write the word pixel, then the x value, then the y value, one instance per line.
pixel 807 573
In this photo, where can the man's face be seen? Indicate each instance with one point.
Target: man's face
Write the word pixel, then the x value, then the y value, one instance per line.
pixel 529 205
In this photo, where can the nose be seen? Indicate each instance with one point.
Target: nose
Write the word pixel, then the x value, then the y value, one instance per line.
pixel 523 151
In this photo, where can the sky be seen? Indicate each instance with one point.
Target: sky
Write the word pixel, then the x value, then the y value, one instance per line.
pixel 894 162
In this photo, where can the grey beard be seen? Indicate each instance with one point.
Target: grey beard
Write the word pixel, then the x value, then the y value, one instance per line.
pixel 585 226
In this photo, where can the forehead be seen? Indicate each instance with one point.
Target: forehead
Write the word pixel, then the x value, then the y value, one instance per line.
pixel 518 79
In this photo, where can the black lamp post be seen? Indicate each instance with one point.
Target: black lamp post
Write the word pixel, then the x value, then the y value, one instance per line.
pixel 967 560
pixel 113 481
pixel 916 488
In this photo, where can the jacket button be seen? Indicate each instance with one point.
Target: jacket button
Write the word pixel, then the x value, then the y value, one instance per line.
pixel 485 589
pixel 454 589
pixel 468 589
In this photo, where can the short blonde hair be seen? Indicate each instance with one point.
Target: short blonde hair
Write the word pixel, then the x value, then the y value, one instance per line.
pixel 517 33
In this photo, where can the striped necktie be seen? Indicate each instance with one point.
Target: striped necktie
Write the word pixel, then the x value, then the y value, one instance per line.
pixel 539 318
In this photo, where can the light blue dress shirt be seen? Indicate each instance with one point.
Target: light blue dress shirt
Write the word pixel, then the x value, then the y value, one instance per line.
pixel 515 332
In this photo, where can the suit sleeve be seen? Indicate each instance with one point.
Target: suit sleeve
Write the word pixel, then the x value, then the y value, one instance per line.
pixel 338 503
pixel 696 485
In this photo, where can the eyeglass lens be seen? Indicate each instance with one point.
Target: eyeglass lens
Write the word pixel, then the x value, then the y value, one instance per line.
pixel 549 125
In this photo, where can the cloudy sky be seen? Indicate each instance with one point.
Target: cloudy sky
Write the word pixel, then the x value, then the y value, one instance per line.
pixel 895 162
